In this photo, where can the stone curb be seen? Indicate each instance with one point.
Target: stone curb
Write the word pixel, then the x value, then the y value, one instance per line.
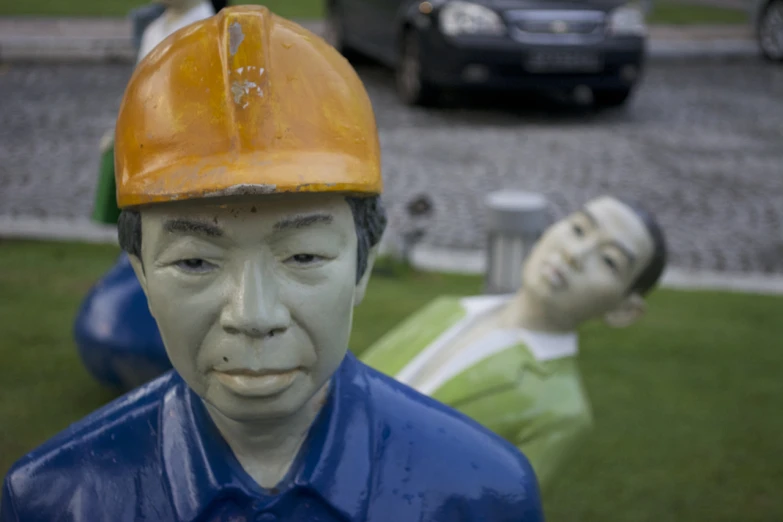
pixel 84 230
pixel 42 49
pixel 423 258
pixel 68 48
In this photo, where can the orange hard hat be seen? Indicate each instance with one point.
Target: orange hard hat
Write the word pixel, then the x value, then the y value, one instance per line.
pixel 244 102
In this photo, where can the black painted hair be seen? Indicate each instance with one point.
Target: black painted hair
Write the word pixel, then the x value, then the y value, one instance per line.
pixel 369 218
pixel 652 273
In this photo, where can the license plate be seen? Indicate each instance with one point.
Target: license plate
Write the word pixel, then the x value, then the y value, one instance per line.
pixel 563 61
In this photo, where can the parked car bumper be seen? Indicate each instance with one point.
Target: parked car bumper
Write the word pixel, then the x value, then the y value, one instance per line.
pixel 611 63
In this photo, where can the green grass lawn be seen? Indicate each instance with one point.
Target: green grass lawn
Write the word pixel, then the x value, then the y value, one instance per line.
pixel 665 12
pixel 288 8
pixel 686 403
pixel 682 13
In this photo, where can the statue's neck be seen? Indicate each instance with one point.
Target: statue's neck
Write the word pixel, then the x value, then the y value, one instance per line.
pixel 267 449
pixel 525 311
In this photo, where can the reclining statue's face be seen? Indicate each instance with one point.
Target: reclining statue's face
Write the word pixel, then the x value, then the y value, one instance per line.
pixel 585 264
pixel 253 296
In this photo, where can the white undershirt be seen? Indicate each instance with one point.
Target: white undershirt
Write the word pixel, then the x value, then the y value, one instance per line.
pixel 543 345
pixel 167 23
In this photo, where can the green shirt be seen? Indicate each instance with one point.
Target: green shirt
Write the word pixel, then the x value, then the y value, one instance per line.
pixel 105 209
pixel 523 385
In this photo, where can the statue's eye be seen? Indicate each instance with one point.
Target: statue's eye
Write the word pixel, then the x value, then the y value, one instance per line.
pixel 194 265
pixel 304 259
pixel 578 230
pixel 610 263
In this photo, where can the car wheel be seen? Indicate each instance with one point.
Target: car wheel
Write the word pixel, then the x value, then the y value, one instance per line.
pixel 770 31
pixel 608 98
pixel 412 87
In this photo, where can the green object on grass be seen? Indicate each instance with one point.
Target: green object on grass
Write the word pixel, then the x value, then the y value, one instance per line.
pixel 105 209
pixel 683 13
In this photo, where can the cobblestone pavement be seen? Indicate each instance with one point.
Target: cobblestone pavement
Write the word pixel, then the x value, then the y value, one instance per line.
pixel 701 145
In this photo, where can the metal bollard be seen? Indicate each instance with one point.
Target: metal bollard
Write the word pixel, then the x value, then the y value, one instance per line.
pixel 516 221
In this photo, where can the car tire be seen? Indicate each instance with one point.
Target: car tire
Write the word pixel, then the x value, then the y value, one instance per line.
pixel 770 31
pixel 412 86
pixel 609 98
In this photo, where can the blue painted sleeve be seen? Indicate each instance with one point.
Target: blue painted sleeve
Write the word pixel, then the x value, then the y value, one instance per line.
pixel 534 511
pixel 7 509
pixel 530 505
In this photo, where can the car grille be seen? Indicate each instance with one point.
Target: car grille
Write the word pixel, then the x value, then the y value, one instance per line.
pixel 560 26
pixel 557 22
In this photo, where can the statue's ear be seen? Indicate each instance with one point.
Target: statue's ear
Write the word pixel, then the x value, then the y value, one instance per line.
pixel 139 269
pixel 626 313
pixel 361 286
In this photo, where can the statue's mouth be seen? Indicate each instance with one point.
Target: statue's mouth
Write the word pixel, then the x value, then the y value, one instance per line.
pixel 257 383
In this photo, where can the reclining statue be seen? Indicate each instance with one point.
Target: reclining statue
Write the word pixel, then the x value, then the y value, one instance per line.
pixel 509 362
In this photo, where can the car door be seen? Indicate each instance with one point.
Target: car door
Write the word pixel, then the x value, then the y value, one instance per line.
pixel 383 23
pixel 354 15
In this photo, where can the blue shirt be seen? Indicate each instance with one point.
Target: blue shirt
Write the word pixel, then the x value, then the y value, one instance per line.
pixel 378 451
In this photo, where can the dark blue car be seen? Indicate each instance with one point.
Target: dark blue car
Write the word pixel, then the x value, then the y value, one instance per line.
pixel 497 44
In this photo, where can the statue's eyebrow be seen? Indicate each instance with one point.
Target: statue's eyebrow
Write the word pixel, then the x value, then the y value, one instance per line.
pixel 301 221
pixel 625 250
pixel 189 226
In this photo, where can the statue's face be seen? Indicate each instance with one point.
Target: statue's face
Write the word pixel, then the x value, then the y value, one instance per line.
pixel 253 296
pixel 584 265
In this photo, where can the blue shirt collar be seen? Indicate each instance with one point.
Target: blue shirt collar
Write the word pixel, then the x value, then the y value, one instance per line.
pixel 334 461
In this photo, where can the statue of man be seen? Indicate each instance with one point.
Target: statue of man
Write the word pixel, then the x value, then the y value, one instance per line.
pixel 509 362
pixel 114 332
pixel 248 174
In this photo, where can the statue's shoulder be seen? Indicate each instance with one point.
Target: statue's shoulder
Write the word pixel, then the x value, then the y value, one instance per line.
pixel 122 435
pixel 428 446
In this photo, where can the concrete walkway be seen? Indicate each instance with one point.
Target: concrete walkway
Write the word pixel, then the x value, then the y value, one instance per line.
pixel 108 39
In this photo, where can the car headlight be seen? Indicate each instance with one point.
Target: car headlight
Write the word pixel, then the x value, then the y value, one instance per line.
pixel 628 20
pixel 459 17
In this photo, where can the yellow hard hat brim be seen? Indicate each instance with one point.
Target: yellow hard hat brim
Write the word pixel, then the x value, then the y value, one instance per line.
pixel 282 172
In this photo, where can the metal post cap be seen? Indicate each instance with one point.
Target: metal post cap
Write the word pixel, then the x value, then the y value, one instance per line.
pixel 517 212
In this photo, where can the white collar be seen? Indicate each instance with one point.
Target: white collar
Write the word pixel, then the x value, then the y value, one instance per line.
pixel 546 346
pixel 543 346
